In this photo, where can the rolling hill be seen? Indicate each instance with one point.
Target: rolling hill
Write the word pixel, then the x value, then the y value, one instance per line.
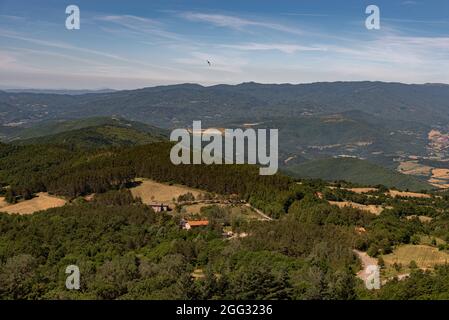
pixel 90 133
pixel 356 171
pixel 376 121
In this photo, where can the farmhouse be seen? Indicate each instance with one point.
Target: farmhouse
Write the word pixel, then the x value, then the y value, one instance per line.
pixel 160 207
pixel 189 224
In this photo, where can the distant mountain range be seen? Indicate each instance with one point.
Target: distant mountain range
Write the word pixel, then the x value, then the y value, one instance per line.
pixel 169 106
pixel 59 91
pixel 385 123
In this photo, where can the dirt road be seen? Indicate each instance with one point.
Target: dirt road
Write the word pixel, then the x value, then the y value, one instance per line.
pixel 366 262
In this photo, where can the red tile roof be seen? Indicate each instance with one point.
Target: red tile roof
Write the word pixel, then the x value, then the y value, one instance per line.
pixel 197 223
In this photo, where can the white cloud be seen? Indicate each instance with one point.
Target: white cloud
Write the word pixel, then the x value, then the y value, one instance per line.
pixel 72 49
pixel 285 48
pixel 140 25
pixel 236 23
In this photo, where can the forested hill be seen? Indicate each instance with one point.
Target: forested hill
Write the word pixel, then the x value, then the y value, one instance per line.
pixel 357 171
pixel 102 136
pixel 69 172
pixel 127 251
pixel 51 130
pixel 386 123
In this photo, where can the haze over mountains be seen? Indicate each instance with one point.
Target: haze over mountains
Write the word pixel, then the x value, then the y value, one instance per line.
pixel 385 123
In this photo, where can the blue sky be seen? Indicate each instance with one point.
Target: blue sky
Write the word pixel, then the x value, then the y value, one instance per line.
pixel 131 44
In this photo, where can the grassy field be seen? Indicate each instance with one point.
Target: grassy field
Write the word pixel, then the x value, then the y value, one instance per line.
pixel 42 201
pixel 3 203
pixel 414 168
pixel 426 257
pixel 374 209
pixel 362 190
pixel 395 193
pixel 154 192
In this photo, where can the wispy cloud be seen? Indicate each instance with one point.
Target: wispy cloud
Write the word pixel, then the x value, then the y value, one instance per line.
pixel 409 3
pixel 405 51
pixel 139 25
pixel 72 48
pixel 416 21
pixel 285 48
pixel 236 23
pixel 11 17
pixel 299 14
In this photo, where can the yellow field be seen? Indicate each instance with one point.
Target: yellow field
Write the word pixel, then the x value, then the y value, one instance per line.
pixel 440 173
pixel 357 190
pixel 426 257
pixel 362 190
pixel 395 193
pixel 42 201
pixel 439 183
pixel 423 219
pixel 154 192
pixel 196 208
pixel 3 203
pixel 440 178
pixel 370 208
pixel 414 168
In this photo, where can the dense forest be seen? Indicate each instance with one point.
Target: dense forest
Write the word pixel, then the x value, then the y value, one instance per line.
pixel 73 172
pixel 127 251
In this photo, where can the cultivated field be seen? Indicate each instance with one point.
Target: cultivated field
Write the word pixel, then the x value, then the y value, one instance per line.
pixel 423 219
pixel 42 201
pixel 370 208
pixel 3 203
pixel 362 190
pixel 440 174
pixel 426 257
pixel 395 193
pixel 440 178
pixel 154 192
pixel 414 168
pixel 357 190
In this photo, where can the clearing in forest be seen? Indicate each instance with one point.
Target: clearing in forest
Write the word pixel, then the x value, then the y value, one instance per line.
pixel 426 257
pixel 155 192
pixel 42 201
pixel 414 168
pixel 395 193
pixel 374 209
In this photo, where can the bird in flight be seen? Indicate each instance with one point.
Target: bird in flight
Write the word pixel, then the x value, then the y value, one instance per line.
pixel 208 62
